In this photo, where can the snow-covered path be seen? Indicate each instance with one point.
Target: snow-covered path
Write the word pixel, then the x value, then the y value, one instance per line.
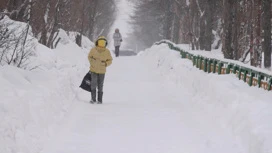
pixel 141 113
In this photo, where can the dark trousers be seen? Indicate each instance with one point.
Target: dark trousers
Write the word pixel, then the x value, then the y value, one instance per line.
pixel 117 51
pixel 97 82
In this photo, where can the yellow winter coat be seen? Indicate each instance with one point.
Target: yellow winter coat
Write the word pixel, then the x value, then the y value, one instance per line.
pixel 99 59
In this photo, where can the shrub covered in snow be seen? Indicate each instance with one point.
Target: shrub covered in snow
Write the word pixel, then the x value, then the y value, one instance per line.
pixel 17 44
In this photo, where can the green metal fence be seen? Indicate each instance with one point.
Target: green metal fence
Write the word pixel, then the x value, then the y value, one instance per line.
pixel 210 65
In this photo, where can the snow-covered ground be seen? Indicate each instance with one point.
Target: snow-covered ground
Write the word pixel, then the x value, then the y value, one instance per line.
pixel 155 103
pixel 158 102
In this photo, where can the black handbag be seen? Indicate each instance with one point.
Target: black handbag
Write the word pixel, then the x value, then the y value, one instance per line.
pixel 86 82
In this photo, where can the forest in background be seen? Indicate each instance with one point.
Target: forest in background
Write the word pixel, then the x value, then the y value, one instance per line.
pixel 88 17
pixel 240 27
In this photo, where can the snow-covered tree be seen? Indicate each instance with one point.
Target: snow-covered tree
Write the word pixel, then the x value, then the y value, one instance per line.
pixel 87 17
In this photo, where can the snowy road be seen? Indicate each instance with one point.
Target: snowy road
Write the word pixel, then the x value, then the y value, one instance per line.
pixel 142 113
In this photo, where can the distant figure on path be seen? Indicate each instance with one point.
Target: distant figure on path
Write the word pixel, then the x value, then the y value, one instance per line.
pixel 117 37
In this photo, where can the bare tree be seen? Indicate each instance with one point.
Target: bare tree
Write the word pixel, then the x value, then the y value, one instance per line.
pixel 210 4
pixel 16 47
pixel 267 33
pixel 256 39
pixel 87 17
pixel 205 24
pixel 228 25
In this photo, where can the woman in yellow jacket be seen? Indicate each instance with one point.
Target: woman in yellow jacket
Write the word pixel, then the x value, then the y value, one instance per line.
pixel 100 58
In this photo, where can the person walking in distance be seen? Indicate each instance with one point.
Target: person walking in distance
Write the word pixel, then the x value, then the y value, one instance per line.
pixel 117 37
pixel 100 58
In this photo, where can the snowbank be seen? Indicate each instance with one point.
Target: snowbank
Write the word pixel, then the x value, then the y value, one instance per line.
pixel 70 38
pixel 219 100
pixel 33 102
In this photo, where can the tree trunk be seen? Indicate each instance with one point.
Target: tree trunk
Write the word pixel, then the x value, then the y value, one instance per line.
pixel 54 31
pixel 257 50
pixel 202 34
pixel 267 33
pixel 92 20
pixel 168 20
pixel 252 60
pixel 79 37
pixel 176 29
pixel 209 25
pixel 235 25
pixel 227 42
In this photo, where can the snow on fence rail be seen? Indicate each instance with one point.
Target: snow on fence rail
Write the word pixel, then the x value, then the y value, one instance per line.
pixel 251 76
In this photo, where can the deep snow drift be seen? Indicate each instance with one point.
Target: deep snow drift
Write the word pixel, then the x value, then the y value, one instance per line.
pixel 33 102
pixel 220 101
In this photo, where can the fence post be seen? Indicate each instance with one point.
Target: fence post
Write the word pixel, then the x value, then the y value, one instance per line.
pixel 220 67
pixel 251 78
pixel 240 71
pixel 194 60
pixel 259 79
pixel 229 68
pixel 269 83
pixel 235 68
pixel 197 61
pixel 214 65
pixel 245 75
pixel 183 54
pixel 205 64
pixel 209 65
pixel 200 63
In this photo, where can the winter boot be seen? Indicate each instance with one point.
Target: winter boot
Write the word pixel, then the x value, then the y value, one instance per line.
pixel 93 92
pixel 100 96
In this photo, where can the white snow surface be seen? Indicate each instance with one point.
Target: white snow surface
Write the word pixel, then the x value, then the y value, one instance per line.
pixel 153 103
